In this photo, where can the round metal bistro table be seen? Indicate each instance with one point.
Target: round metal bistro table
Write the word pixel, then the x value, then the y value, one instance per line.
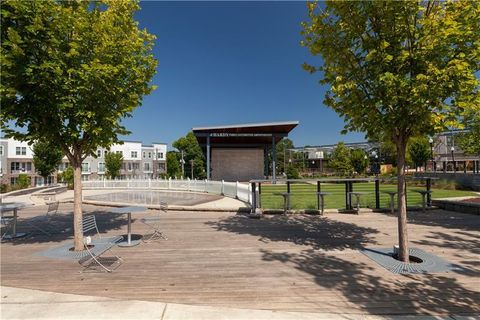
pixel 13 206
pixel 129 210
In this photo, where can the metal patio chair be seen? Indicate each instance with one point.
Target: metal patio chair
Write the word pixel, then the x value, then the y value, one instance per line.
pixel 154 225
pixel 6 222
pixel 45 223
pixel 92 260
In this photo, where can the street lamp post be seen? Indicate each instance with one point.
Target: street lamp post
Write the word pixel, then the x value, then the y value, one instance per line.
pixel 430 141
pixel 191 167
pixel 365 157
pixel 182 162
pixel 375 166
pixel 452 149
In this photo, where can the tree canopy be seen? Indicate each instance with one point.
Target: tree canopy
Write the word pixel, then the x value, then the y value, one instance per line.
pixel 470 140
pixel 173 164
pixel 419 151
pixel 359 160
pixel 397 69
pixel 284 154
pixel 192 151
pixel 46 158
pixel 71 71
pixel 340 160
pixel 113 164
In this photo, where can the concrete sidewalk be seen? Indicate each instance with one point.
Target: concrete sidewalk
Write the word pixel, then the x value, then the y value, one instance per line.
pixel 19 303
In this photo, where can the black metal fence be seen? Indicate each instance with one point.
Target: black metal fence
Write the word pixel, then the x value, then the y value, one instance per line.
pixel 373 192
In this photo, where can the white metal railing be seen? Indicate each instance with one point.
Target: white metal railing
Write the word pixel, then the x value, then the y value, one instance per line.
pixel 234 190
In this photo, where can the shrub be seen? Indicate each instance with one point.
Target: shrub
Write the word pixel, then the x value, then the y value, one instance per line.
pixel 67 177
pixel 23 181
pixel 4 188
pixel 292 172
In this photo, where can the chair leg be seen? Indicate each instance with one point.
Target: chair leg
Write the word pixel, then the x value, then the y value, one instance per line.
pixel 95 258
pixel 40 229
pixel 156 235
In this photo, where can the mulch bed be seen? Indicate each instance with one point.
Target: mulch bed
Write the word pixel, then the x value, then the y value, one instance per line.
pixel 475 200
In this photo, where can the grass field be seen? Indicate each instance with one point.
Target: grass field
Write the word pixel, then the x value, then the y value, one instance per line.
pixel 303 195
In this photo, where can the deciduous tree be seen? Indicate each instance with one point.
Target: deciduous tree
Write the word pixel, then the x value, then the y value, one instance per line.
pixel 284 154
pixel 359 160
pixel 71 70
pixel 398 69
pixel 470 141
pixel 173 164
pixel 113 164
pixel 191 151
pixel 46 158
pixel 419 150
pixel 340 161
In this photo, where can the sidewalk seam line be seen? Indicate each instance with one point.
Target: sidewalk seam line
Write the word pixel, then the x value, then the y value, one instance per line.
pixel 164 310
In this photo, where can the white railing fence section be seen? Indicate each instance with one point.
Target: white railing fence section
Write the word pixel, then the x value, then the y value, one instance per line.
pixel 234 190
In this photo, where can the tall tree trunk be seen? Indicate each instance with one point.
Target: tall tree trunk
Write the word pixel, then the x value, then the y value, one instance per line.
pixel 77 205
pixel 402 206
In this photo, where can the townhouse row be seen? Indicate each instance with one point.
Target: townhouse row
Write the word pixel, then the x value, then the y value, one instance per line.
pixel 140 161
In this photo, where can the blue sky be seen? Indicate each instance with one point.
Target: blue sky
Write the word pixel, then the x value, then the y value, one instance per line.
pixel 231 62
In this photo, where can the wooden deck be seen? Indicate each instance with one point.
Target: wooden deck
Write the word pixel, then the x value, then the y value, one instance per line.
pixel 299 263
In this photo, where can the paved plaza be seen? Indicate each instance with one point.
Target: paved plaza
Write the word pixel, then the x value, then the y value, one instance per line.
pixel 296 263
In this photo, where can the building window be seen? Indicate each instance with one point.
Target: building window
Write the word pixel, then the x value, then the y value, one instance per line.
pixel 144 154
pixel 129 166
pixel 146 166
pixel 99 153
pixel 105 153
pixel 84 177
pixel 160 155
pixel 21 151
pixel 136 166
pixel 119 152
pixel 1 150
pixel 134 154
pixel 149 155
pixel 13 181
pixel 63 166
pixel 21 166
pixel 85 167
pixel 101 167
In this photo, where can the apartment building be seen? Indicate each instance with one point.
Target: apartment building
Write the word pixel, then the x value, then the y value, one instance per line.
pixel 140 161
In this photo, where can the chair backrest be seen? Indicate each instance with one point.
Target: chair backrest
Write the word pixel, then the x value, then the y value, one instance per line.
pixel 89 223
pixel 52 208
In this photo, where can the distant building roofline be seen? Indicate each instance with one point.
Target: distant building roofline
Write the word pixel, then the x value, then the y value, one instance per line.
pixel 248 125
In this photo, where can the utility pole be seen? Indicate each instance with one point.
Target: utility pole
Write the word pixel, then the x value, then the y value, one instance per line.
pixel 155 164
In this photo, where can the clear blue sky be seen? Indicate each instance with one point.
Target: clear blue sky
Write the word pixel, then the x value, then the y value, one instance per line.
pixel 228 63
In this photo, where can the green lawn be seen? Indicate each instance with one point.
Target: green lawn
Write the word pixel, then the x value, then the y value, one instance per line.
pixel 303 195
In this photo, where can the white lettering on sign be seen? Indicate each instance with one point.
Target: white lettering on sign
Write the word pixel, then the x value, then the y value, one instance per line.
pixel 240 134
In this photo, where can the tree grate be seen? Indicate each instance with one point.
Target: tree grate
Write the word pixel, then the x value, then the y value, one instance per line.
pixel 430 263
pixel 63 252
